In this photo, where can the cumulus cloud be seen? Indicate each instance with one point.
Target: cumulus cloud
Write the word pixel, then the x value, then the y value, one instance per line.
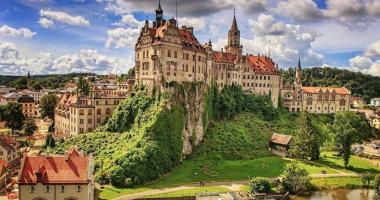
pixel 63 17
pixel 86 60
pixel 197 22
pixel 368 63
pixel 21 32
pixel 129 20
pixel 373 50
pixel 185 7
pixel 288 42
pixel 46 23
pixel 354 14
pixel 122 37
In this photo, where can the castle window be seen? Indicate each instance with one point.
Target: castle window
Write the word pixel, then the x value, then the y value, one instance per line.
pixel 175 54
pixel 309 102
pixel 342 102
pixel 228 75
pixel 108 111
pixel 194 58
pixel 169 53
pixel 319 97
pixel 62 188
pixel 32 189
pixel 89 121
pixel 99 111
pixel 199 58
pixel 326 97
pixel 47 189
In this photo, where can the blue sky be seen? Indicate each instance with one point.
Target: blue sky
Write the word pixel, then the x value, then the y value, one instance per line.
pixel 62 36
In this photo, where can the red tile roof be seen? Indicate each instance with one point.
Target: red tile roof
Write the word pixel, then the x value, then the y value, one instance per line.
pixel 69 169
pixel 221 57
pixel 315 90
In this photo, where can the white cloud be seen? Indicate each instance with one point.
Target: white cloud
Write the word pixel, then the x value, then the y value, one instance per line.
pixel 122 37
pixel 300 10
pixel 373 50
pixel 86 60
pixel 375 69
pixel 288 42
pixel 46 23
pixel 64 18
pixel 10 31
pixel 197 22
pixel 130 21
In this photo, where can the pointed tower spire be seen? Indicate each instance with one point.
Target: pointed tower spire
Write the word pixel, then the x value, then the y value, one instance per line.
pixel 299 72
pixel 234 26
pixel 159 6
pixel 159 16
pixel 299 63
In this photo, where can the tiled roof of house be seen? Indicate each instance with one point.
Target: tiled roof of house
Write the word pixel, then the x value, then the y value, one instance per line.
pixel 222 57
pixel 315 90
pixel 280 139
pixel 69 169
pixel 4 165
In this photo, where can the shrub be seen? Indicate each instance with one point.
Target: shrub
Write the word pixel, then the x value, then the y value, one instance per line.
pixel 260 185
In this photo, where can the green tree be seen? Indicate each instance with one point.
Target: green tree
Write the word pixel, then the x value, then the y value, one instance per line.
pixel 349 128
pixel 83 86
pixel 366 179
pixel 21 83
pixel 49 141
pixel 30 126
pixel 260 185
pixel 47 104
pixel 305 143
pixel 295 179
pixel 376 187
pixel 13 116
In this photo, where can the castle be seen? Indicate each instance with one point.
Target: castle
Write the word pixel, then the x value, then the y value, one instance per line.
pixel 167 53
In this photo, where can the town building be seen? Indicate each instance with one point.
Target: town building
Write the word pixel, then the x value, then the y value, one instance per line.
pixel 6 90
pixel 166 53
pixel 279 144
pixel 4 167
pixel 77 113
pixel 10 150
pixel 375 102
pixel 321 100
pixel 57 177
pixel 28 106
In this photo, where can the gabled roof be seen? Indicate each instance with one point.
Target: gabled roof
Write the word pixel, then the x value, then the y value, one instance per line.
pixel 316 90
pixel 60 169
pixel 280 139
pixel 222 57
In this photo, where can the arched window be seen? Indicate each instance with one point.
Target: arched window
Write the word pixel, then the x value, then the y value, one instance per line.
pixel 99 111
pixel 108 111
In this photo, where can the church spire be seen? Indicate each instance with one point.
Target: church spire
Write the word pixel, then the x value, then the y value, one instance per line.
pixel 159 16
pixel 234 26
pixel 159 6
pixel 299 72
pixel 299 63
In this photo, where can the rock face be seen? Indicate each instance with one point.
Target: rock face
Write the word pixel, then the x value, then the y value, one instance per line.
pixel 194 127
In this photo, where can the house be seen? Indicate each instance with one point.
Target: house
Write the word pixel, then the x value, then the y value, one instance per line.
pixel 10 150
pixel 6 90
pixel 279 144
pixel 357 102
pixel 375 102
pixel 28 106
pixel 4 166
pixel 57 177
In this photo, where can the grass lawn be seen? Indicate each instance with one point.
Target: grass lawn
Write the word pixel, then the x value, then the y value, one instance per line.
pixel 110 192
pixel 359 165
pixel 337 182
pixel 190 192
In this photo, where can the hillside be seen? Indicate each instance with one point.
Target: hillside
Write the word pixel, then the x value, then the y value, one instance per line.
pixel 363 85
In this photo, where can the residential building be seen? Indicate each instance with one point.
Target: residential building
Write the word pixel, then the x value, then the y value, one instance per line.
pixel 357 102
pixel 6 90
pixel 167 53
pixel 28 106
pixel 375 102
pixel 9 97
pixel 76 113
pixel 10 150
pixel 321 100
pixel 57 177
pixel 4 167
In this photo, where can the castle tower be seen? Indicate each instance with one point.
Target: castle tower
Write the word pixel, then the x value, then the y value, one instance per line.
pixel 159 15
pixel 234 39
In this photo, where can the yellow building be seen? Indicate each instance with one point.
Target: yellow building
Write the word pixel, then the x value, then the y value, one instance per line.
pixel 76 113
pixel 166 53
pixel 322 100
pixel 60 177
pixel 28 106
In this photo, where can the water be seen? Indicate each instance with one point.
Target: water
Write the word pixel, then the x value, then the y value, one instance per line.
pixel 340 194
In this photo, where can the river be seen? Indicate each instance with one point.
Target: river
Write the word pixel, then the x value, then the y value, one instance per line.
pixel 340 194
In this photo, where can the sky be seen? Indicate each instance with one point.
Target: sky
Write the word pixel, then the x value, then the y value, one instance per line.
pixel 64 36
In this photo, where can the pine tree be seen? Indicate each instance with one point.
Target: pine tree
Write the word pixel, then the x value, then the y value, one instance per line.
pixel 305 143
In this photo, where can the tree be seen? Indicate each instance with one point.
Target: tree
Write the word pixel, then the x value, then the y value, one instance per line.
pixel 30 126
pixel 349 128
pixel 366 179
pixel 376 187
pixel 13 116
pixel 49 141
pixel 83 86
pixel 21 83
pixel 260 185
pixel 305 143
pixel 295 179
pixel 47 104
